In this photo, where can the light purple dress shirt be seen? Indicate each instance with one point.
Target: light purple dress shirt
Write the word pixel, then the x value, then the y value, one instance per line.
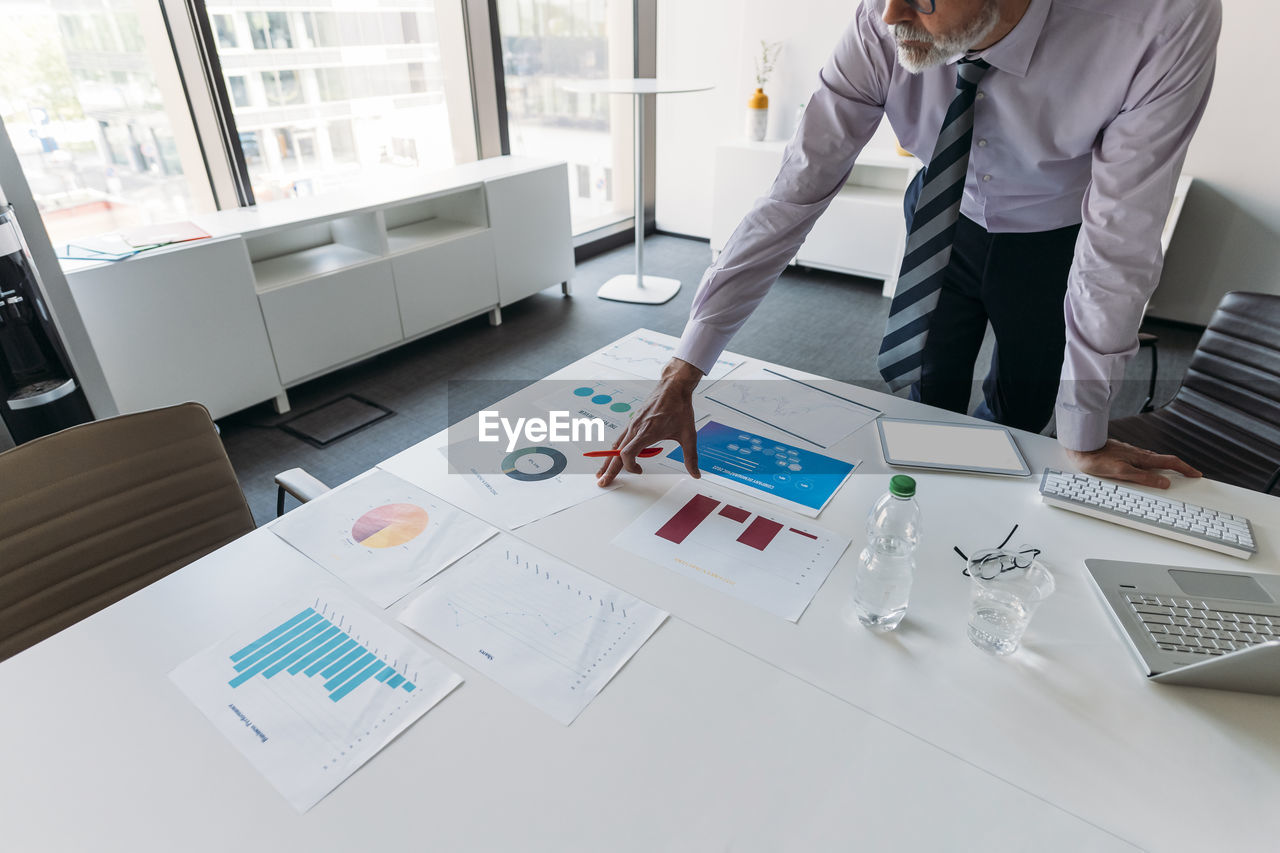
pixel 1085 117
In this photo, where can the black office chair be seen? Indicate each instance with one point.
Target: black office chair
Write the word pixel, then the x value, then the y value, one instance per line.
pixel 1225 418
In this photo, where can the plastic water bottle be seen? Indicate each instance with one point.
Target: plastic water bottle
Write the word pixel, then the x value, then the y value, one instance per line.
pixel 882 584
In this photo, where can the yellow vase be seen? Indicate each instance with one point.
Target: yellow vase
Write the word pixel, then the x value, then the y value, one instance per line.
pixel 757 115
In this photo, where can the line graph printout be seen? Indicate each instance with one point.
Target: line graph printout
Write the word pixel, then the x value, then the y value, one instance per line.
pixel 727 543
pixel 805 410
pixel 312 691
pixel 381 535
pixel 544 630
pixel 644 353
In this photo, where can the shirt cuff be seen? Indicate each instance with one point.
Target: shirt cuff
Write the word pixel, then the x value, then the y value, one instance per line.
pixel 1081 430
pixel 701 345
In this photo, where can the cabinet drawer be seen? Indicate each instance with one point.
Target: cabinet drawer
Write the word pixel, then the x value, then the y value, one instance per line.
pixel 440 284
pixel 861 232
pixel 327 321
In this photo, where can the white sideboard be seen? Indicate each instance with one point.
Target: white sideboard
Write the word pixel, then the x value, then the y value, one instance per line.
pixel 290 290
pixel 862 232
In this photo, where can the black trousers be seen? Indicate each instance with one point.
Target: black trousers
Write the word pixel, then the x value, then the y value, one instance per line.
pixel 1017 283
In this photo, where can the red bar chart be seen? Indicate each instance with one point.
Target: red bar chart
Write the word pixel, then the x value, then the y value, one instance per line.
pixel 752 554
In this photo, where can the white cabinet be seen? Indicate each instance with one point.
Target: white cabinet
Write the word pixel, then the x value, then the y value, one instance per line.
pixel 863 231
pixel 445 283
pixel 177 325
pixel 290 290
pixel 331 320
pixel 530 218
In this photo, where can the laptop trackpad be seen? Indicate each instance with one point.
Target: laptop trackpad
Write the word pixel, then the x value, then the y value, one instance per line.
pixel 1219 585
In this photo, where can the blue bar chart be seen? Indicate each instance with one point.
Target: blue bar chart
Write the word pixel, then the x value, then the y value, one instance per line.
pixel 309 644
pixel 312 689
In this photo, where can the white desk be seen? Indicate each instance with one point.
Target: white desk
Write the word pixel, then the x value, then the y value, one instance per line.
pixel 650 290
pixel 730 729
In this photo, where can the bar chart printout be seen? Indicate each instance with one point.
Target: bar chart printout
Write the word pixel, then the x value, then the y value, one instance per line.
pixel 544 630
pixel 313 690
pixel 737 546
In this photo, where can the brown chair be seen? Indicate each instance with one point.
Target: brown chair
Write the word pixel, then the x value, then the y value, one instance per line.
pixel 96 512
pixel 1225 419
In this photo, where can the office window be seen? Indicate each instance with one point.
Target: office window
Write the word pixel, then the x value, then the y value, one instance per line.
pixel 331 84
pixel 225 27
pixel 321 29
pixel 376 103
pixel 270 30
pixel 282 87
pixel 342 141
pixel 238 89
pixel 92 117
pixel 545 45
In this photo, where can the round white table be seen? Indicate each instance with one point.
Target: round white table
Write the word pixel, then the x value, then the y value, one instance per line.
pixel 650 290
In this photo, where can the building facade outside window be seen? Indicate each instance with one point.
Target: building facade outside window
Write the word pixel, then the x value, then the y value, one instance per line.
pixel 339 94
pixel 546 44
pixel 100 126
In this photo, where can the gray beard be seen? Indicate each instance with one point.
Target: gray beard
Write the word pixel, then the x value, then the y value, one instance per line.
pixel 941 48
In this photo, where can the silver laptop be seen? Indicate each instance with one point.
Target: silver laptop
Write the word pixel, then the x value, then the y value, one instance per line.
pixel 1196 627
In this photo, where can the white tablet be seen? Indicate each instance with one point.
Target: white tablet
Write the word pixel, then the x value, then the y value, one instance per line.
pixel 979 448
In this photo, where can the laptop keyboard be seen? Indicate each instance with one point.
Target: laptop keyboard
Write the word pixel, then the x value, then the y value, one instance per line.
pixel 1191 625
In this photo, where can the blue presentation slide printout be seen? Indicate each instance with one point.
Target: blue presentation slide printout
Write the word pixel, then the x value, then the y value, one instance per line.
pixel 781 473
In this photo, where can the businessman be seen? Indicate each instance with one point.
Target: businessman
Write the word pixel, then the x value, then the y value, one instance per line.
pixel 1054 132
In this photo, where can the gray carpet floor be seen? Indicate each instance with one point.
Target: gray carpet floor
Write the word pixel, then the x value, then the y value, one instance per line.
pixel 824 323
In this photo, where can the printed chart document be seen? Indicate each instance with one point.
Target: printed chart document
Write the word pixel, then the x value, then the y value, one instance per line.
pixel 813 411
pixel 644 353
pixel 773 471
pixel 546 631
pixel 612 396
pixel 381 535
pixel 312 691
pixel 738 547
pixel 520 485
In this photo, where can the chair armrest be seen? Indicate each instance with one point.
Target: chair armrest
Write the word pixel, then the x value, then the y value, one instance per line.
pixel 1146 340
pixel 298 483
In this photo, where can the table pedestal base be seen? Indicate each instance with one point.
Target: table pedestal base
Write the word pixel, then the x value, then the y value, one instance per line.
pixel 654 290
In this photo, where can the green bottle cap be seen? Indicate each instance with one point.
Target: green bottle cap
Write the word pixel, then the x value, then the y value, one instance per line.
pixel 902 486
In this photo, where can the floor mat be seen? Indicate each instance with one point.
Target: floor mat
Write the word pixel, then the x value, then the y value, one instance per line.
pixel 334 420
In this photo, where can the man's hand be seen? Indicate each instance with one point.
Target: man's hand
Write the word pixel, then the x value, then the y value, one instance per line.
pixel 667 414
pixel 1119 461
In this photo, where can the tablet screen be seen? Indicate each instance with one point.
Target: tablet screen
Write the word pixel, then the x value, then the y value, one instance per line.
pixel 963 447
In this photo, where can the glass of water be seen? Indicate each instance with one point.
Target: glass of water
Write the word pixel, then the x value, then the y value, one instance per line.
pixel 1005 590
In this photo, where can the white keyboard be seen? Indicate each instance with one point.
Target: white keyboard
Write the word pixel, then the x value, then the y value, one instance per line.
pixel 1195 525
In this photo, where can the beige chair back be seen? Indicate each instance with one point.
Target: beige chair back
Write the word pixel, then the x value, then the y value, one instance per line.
pixel 94 513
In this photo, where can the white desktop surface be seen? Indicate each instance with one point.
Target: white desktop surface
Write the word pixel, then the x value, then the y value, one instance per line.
pixel 730 729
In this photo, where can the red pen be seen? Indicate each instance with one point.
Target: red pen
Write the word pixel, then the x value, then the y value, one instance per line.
pixel 643 454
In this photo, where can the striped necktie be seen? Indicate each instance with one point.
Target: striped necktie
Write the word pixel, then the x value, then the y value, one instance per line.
pixel 933 227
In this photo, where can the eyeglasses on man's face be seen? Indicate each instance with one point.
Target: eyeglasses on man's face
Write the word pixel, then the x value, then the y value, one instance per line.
pixel 924 7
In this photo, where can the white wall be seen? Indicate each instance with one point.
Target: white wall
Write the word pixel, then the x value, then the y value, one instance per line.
pixel 1228 236
pixel 716 41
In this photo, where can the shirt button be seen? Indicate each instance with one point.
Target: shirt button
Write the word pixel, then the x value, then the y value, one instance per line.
pixel 981 95
pixel 986 177
pixel 982 143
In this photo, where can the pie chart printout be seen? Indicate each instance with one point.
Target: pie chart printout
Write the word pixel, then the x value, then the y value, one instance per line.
pixel 390 525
